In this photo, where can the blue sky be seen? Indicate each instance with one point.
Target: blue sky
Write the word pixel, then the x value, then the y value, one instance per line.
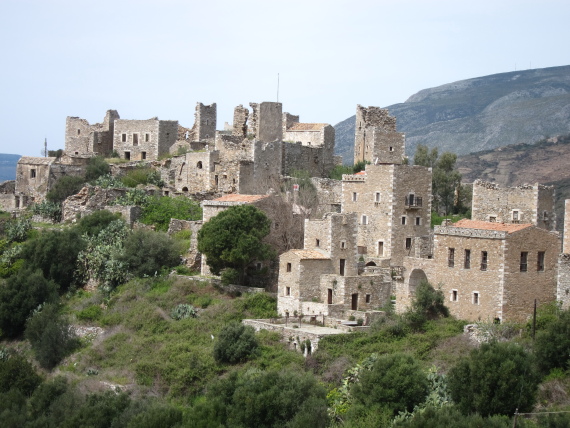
pixel 79 58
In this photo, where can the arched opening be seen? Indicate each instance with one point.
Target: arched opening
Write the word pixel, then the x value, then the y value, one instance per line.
pixel 416 277
pixel 185 189
pixel 199 165
pixel 370 264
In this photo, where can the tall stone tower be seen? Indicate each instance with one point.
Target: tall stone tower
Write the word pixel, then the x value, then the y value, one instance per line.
pixel 376 139
pixel 205 121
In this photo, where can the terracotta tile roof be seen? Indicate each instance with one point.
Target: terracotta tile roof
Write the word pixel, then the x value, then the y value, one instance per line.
pixel 306 127
pixel 501 227
pixel 310 254
pixel 361 173
pixel 235 197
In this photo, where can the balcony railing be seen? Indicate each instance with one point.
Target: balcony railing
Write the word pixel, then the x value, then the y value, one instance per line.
pixel 413 201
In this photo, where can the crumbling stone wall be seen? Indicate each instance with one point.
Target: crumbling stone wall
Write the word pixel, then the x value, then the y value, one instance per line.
pixel 82 138
pixel 563 280
pixel 240 121
pixel 88 200
pixel 269 122
pixel 288 120
pixel 33 179
pixel 205 119
pixel 566 241
pixel 317 161
pixel 527 203
pixel 376 138
pixel 192 172
pixel 7 197
pixel 141 140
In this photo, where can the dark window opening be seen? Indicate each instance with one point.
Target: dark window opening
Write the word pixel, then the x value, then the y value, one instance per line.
pixel 143 155
pixel 540 261
pixel 135 139
pixel 318 243
pixel 128 155
pixel 454 296
pixel 368 298
pixel 124 138
pixel 467 264
pixel 354 305
pixel 32 173
pixel 524 260
pixel 287 291
pixel 288 267
pixel 483 260
pixel 199 165
pixel 380 249
pixel 146 138
pixel 475 298
pixel 341 266
pixel 403 219
pixel 79 132
pixel 408 243
pixel 451 257
pixel 330 296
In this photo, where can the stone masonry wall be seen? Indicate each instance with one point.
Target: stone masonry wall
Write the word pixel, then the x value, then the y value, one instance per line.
pixel 365 119
pixel 269 124
pixel 563 280
pixel 566 242
pixel 205 119
pixel 82 138
pixel 240 121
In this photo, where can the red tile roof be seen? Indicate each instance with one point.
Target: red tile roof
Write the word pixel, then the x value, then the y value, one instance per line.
pixel 486 225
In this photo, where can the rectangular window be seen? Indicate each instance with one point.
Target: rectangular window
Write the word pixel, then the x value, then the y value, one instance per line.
pixel 368 298
pixel 454 295
pixel 354 305
pixel 143 155
pixel 354 196
pixel 128 155
pixel 380 248
pixel 341 267
pixel 467 264
pixel 524 260
pixel 515 215
pixel 451 257
pixel 475 297
pixel 287 291
pixel 492 218
pixel 124 138
pixel 330 296
pixel 418 221
pixel 135 139
pixel 403 219
pixel 483 260
pixel 377 197
pixel 32 173
pixel 288 267
pixel 146 138
pixel 317 243
pixel 342 245
pixel 364 219
pixel 408 243
pixel 540 261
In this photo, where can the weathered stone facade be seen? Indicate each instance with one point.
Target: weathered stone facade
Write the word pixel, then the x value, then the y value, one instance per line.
pixel 527 203
pixel 7 196
pixel 486 270
pixel 144 140
pixel 81 138
pixel 376 140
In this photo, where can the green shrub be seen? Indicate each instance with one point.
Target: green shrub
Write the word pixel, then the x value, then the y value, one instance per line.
pixel 17 230
pixel 64 187
pixel 396 382
pixel 17 373
pixel 183 311
pixel 496 378
pixel 258 305
pixel 160 209
pixel 50 335
pixel 90 313
pixel 235 343
pixel 47 209
pixel 96 168
pixel 146 252
pixel 23 293
pixel 93 224
pixel 552 344
pixel 184 270
pixel 142 175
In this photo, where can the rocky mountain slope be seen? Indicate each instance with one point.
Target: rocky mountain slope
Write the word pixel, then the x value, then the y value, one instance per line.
pixel 479 114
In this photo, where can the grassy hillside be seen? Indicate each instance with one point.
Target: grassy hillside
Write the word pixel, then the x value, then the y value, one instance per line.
pixel 481 113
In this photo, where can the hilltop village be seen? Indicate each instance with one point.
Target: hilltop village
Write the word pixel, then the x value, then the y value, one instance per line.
pixel 366 240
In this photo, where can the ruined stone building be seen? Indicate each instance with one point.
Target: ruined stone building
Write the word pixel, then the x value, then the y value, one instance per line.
pixel 81 138
pixel 487 270
pixel 347 260
pixel 144 139
pixel 527 203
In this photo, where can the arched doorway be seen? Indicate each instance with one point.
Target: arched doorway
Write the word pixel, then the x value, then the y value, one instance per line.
pixel 370 264
pixel 416 277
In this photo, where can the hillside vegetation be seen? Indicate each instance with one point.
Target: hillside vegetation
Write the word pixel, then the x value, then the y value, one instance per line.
pixel 479 114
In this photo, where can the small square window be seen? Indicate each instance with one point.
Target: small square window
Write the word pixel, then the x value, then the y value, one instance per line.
pixel 288 267
pixel 32 173
pixel 391 148
pixel 143 155
pixel 493 219
pixel 515 215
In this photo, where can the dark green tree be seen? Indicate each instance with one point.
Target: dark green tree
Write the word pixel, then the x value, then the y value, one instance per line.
pixel 17 373
pixel 50 335
pixel 236 343
pixel 96 222
pixel 65 187
pixel 55 253
pixel 23 293
pixel 552 344
pixel 396 382
pixel 233 239
pixel 146 252
pixel 450 416
pixel 496 378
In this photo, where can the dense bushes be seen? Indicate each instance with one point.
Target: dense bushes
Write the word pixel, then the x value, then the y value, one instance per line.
pixel 236 343
pixel 159 210
pixel 17 373
pixel 50 335
pixel 496 378
pixel 64 187
pixel 552 346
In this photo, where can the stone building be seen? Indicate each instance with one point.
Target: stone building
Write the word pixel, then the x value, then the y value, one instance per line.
pixel 393 205
pixel 325 278
pixel 81 138
pixel 142 140
pixel 376 139
pixel 527 203
pixel 487 271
